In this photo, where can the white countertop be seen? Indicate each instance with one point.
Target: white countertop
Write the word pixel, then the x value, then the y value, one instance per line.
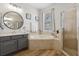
pixel 2 35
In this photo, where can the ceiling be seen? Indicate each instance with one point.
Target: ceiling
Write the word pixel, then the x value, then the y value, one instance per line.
pixel 35 5
pixel 43 5
pixel 39 5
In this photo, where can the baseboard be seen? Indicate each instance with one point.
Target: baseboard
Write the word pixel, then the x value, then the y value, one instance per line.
pixel 66 54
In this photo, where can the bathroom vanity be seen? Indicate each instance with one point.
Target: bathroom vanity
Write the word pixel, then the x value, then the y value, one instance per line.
pixel 12 43
pixel 9 44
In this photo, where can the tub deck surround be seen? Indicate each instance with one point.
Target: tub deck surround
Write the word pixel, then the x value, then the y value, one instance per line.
pixel 43 41
pixel 42 36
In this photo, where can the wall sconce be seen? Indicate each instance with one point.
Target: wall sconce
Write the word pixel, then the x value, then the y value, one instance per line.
pixel 37 18
pixel 28 16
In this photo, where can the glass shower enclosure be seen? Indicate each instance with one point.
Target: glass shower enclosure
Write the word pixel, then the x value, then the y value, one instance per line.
pixel 70 32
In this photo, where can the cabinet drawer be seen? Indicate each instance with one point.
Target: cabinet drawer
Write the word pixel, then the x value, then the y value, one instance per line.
pixel 22 43
pixel 17 37
pixel 4 38
pixel 8 47
pixel 25 36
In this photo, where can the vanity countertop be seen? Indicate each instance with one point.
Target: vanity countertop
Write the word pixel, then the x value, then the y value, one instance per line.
pixel 2 35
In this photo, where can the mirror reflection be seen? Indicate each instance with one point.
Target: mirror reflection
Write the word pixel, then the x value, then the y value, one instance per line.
pixel 13 20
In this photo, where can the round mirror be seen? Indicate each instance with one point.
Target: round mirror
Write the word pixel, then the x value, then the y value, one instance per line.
pixel 13 20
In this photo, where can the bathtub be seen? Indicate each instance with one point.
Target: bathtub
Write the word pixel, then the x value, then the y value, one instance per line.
pixel 42 36
pixel 43 41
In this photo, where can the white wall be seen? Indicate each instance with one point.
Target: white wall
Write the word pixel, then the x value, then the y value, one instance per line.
pixel 26 26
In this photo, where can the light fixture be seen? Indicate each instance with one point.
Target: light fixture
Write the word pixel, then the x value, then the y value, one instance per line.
pixel 14 6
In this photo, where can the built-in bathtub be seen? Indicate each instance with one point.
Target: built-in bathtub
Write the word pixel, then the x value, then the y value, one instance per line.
pixel 43 41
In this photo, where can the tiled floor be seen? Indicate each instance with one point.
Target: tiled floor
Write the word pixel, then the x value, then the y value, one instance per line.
pixel 40 52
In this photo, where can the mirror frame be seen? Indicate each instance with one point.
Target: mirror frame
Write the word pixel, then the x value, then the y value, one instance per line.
pixel 17 14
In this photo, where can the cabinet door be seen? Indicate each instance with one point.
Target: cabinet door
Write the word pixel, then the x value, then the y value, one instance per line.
pixel 4 38
pixel 22 43
pixel 8 47
pixel 17 36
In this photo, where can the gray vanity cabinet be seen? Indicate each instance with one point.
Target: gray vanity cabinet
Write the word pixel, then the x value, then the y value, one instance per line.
pixel 5 38
pixel 8 47
pixel 22 43
pixel 9 44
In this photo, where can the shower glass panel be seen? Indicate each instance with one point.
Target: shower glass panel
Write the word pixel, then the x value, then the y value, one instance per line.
pixel 70 32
